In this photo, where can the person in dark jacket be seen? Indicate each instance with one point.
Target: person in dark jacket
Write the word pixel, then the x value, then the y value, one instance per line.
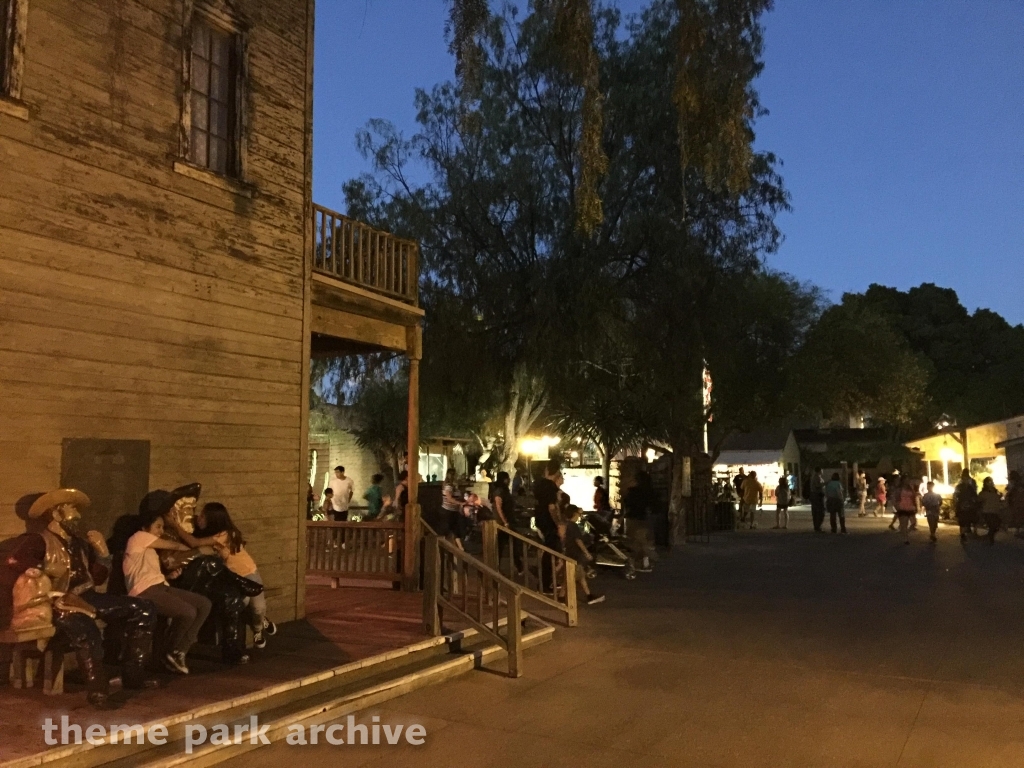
pixel 965 503
pixel 835 499
pixel 638 506
pixel 817 499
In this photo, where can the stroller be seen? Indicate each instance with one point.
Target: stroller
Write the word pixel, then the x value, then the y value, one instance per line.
pixel 609 549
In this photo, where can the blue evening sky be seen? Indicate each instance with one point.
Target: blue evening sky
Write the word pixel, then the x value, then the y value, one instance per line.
pixel 900 124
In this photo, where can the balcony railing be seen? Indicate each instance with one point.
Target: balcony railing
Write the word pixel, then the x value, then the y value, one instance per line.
pixel 366 257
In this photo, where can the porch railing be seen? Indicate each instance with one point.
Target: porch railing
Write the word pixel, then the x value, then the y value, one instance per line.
pixel 458 583
pixel 355 550
pixel 524 560
pixel 357 253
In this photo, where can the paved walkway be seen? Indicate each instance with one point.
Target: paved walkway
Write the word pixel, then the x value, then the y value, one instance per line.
pixel 762 648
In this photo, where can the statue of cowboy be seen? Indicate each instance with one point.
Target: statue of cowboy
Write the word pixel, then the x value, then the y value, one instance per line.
pixel 77 563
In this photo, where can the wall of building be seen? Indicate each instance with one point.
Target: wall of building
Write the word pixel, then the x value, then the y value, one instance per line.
pixel 137 303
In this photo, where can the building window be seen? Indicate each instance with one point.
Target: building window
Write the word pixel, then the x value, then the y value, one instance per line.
pixel 13 23
pixel 5 17
pixel 213 99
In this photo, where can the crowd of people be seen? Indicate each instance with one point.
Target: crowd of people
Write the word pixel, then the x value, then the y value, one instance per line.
pixel 903 497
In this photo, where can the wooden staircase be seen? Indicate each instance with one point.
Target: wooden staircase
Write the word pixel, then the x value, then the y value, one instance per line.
pixel 314 700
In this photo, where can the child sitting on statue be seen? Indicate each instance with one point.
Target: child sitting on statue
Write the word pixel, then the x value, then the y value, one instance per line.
pixel 214 528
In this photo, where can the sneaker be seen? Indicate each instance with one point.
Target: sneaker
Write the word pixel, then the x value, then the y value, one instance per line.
pixel 595 599
pixel 259 639
pixel 269 628
pixel 933 537
pixel 175 661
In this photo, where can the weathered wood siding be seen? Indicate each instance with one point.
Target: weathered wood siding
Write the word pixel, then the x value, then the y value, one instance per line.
pixel 138 303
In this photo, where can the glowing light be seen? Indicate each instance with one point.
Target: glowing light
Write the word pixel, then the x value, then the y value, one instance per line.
pixel 651 455
pixel 948 454
pixel 535 449
pixel 999 472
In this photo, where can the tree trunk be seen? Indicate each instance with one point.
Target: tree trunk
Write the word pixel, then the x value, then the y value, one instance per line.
pixel 606 470
pixel 523 412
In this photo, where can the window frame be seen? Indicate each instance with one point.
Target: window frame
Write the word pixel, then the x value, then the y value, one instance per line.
pixel 12 57
pixel 221 18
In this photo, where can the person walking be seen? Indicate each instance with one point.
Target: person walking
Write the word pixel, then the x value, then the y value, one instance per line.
pixel 932 504
pixel 907 500
pixel 880 493
pixel 343 489
pixel 547 517
pixel 374 497
pixel 818 499
pixel 894 485
pixel 861 487
pixel 737 483
pixel 965 503
pixel 782 497
pixel 751 498
pixel 992 507
pixel 835 500
pixel 637 508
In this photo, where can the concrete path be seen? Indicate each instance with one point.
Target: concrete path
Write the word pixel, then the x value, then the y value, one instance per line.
pixel 762 648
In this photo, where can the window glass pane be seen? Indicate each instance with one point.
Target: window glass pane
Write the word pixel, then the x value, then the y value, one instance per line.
pixel 5 10
pixel 201 40
pixel 220 83
pixel 218 155
pixel 219 120
pixel 198 150
pixel 200 75
pixel 221 49
pixel 200 108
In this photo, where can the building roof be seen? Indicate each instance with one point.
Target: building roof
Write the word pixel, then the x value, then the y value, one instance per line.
pixel 748 458
pixel 844 435
pixel 759 440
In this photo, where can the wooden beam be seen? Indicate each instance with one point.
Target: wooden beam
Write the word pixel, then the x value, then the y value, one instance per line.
pixel 344 325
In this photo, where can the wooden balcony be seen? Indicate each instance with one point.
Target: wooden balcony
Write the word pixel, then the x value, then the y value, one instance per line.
pixel 365 257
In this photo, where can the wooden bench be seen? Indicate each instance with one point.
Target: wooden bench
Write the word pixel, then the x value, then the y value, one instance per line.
pixel 26 649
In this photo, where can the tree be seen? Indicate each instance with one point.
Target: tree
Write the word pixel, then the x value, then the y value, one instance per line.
pixel 976 361
pixel 671 276
pixel 854 363
pixel 381 419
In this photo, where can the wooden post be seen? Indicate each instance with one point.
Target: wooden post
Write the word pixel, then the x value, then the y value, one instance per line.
pixel 489 532
pixel 431 585
pixel 572 617
pixel 410 564
pixel 514 631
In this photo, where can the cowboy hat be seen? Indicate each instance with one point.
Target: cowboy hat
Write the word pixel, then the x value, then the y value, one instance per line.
pixel 190 491
pixel 162 501
pixel 53 499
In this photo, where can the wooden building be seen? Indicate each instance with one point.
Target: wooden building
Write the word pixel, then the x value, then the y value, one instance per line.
pixel 165 277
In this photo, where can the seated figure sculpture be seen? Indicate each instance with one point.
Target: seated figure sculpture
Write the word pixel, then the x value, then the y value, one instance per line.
pixel 68 565
pixel 204 572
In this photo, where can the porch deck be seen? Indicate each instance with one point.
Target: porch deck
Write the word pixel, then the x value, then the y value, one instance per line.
pixel 341 626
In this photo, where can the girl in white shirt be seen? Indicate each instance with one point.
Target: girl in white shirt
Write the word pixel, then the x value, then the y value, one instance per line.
pixel 145 579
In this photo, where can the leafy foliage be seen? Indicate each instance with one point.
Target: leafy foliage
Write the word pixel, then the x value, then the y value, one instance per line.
pixel 855 363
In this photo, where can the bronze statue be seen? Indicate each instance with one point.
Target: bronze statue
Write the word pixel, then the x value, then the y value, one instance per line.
pixel 76 563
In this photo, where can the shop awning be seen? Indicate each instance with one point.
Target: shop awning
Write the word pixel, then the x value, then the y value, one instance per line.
pixel 745 458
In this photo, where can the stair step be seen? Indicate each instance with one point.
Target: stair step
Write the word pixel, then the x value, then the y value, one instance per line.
pixel 316 699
